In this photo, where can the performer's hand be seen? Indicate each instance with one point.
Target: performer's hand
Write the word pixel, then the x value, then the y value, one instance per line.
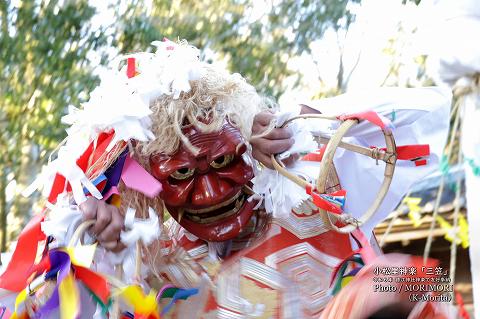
pixel 277 141
pixel 108 223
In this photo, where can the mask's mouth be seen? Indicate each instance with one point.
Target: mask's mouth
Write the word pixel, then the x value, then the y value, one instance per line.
pixel 219 222
pixel 217 212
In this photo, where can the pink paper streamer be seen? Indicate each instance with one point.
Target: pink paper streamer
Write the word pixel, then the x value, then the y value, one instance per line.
pixel 111 191
pixel 136 177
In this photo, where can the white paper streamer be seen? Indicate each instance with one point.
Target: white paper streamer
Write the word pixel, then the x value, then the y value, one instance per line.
pixel 62 220
pixel 146 230
pixel 279 193
pixel 122 104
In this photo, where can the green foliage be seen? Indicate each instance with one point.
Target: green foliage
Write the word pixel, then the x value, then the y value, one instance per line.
pixel 43 68
pixel 258 47
pixel 417 2
pixel 308 20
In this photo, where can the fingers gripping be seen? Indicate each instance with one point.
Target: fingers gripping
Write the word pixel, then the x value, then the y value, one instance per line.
pixel 112 231
pixel 108 225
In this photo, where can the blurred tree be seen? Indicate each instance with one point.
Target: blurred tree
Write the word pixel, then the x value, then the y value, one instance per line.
pixel 256 38
pixel 405 70
pixel 43 68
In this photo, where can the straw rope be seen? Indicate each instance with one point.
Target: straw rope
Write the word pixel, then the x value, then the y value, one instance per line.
pixel 390 224
pixel 461 92
pixel 453 245
pixel 453 133
pixel 105 160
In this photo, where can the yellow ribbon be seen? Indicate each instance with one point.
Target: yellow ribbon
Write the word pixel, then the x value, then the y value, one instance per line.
pixel 414 210
pixel 116 200
pixel 81 255
pixel 463 233
pixel 346 281
pixel 141 303
pixel 447 227
pixel 462 230
pixel 69 298
pixel 19 300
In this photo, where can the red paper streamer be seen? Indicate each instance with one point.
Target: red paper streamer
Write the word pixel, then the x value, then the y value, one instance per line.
pixel 93 281
pixel 94 151
pixel 324 204
pixel 415 152
pixel 22 265
pixel 370 116
pixel 315 156
pixel 131 67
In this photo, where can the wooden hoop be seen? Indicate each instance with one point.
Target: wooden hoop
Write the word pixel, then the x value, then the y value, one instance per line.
pixel 389 156
pixel 81 229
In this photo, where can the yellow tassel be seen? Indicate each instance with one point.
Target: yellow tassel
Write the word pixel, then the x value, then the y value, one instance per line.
pixel 18 301
pixel 414 210
pixel 69 298
pixel 141 303
pixel 116 200
pixel 463 234
pixel 81 255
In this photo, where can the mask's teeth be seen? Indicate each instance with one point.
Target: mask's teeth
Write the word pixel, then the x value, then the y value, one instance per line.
pixel 247 190
pixel 180 214
pixel 239 203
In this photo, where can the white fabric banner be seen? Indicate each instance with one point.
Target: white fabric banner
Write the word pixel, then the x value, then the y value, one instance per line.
pixel 419 116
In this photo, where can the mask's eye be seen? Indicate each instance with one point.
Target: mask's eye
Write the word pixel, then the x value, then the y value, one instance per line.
pixel 183 173
pixel 222 161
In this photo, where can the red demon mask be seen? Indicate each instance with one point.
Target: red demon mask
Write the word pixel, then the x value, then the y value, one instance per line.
pixel 205 192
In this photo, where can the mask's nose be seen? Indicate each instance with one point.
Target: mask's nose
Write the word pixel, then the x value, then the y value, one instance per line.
pixel 203 166
pixel 209 189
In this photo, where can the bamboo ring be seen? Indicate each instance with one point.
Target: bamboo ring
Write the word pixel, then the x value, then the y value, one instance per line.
pixel 389 156
pixel 81 229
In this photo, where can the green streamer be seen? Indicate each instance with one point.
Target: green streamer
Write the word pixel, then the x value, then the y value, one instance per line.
pixel 444 166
